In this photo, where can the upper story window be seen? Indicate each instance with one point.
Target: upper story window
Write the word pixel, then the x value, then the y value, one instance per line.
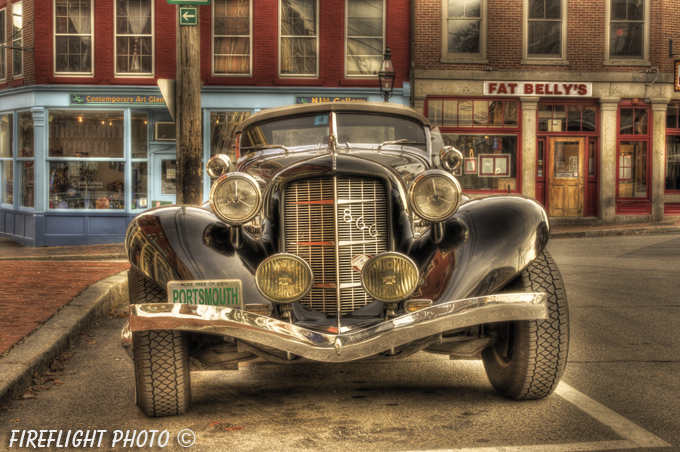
pixel 464 30
pixel 545 29
pixel 232 31
pixel 365 36
pixel 17 41
pixel 134 37
pixel 628 32
pixel 299 37
pixel 3 36
pixel 73 37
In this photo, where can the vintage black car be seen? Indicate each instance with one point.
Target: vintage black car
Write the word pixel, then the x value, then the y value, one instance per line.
pixel 341 234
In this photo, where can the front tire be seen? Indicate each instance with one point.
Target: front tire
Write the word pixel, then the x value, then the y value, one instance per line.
pixel 161 358
pixel 529 358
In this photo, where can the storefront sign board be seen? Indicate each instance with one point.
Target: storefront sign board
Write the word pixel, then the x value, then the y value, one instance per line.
pixel 320 99
pixel 116 99
pixel 677 75
pixel 540 89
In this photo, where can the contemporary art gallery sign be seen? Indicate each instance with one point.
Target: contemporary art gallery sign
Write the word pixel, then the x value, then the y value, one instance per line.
pixel 541 89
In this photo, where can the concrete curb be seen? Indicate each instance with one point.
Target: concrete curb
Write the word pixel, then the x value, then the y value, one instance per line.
pixel 614 232
pixel 54 337
pixel 68 257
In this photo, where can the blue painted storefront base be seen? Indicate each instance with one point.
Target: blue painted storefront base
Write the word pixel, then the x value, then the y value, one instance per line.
pixel 63 229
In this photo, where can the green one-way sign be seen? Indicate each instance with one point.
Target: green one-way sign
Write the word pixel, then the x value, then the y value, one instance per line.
pixel 188 15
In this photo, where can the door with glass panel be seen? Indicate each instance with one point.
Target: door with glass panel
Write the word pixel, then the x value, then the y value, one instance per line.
pixel 566 177
pixel 165 180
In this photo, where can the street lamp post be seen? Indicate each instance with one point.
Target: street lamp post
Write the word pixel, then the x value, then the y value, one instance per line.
pixel 386 75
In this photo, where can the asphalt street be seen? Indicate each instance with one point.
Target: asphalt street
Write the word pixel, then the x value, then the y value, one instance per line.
pixel 621 388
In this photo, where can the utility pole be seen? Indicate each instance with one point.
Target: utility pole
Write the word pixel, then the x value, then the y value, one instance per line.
pixel 188 104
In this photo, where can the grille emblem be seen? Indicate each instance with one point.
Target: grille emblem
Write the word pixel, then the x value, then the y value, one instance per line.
pixel 360 224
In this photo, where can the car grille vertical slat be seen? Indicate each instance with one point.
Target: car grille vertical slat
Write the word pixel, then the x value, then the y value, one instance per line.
pixel 310 233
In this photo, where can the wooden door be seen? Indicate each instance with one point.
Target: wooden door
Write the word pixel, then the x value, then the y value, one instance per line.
pixel 566 177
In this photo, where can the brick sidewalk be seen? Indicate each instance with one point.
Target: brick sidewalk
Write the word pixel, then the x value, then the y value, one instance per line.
pixel 32 291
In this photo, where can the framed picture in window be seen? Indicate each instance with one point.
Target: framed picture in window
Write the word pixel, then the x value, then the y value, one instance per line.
pixel 470 165
pixel 458 171
pixel 494 165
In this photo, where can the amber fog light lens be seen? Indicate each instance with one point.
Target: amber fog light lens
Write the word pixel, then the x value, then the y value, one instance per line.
pixel 284 278
pixel 389 277
pixel 435 195
pixel 416 305
pixel 236 198
pixel 218 165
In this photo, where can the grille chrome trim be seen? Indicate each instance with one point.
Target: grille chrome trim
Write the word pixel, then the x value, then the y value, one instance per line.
pixel 327 236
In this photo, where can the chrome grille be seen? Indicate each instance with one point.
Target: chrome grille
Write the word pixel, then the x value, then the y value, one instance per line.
pixel 310 209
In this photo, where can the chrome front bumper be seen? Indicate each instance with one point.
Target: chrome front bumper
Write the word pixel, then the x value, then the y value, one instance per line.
pixel 320 346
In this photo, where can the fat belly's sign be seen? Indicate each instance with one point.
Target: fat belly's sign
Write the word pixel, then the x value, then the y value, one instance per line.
pixel 541 89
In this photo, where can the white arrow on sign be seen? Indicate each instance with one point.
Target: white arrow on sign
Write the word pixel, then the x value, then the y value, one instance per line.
pixel 186 16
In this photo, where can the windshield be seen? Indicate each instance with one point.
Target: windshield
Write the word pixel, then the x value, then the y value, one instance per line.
pixel 354 130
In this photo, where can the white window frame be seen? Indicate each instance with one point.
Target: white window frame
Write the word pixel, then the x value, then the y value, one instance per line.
pixel 464 57
pixel 644 60
pixel 382 37
pixel 317 38
pixel 54 43
pixel 17 42
pixel 3 50
pixel 526 59
pixel 153 44
pixel 214 36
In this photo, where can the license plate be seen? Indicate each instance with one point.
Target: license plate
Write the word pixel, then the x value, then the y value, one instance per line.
pixel 219 292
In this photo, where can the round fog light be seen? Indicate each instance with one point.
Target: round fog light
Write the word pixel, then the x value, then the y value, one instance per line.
pixel 389 277
pixel 284 278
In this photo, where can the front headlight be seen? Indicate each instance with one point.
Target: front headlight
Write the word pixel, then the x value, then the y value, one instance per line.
pixel 435 195
pixel 236 198
pixel 284 278
pixel 389 277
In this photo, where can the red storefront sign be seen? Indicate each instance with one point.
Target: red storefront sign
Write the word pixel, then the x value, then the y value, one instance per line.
pixel 542 89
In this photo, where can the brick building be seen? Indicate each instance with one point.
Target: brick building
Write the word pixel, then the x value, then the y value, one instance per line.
pixel 86 139
pixel 568 101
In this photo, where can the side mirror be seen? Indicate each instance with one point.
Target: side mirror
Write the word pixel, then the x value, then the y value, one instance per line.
pixel 451 158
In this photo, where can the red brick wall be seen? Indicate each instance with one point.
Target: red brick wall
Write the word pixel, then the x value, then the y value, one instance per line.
pixel 265 45
pixel 585 36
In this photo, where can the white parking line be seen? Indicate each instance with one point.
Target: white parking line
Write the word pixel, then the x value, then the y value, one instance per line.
pixel 634 436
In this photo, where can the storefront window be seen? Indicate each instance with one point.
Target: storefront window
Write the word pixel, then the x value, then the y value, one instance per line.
pixel 561 118
pixel 140 135
pixel 490 161
pixel 222 124
pixel 6 163
pixel 86 166
pixel 86 185
pixel 632 169
pixel 26 163
pixel 93 134
pixel 472 113
pixel 633 121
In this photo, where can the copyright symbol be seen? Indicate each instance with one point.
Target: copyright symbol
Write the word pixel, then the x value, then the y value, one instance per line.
pixel 186 438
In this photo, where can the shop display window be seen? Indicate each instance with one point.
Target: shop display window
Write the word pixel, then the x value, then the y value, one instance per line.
pixel 140 135
pixel 140 185
pixel 632 164
pixel 673 148
pixel 91 134
pixel 25 156
pixel 86 185
pixel 490 161
pixel 6 162
pixel 472 113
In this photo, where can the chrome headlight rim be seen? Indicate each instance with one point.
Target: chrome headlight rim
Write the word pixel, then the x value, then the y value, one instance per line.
pixel 427 175
pixel 218 165
pixel 383 255
pixel 235 176
pixel 279 256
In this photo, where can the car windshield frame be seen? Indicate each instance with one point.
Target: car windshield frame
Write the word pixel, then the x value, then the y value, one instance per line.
pixel 354 130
